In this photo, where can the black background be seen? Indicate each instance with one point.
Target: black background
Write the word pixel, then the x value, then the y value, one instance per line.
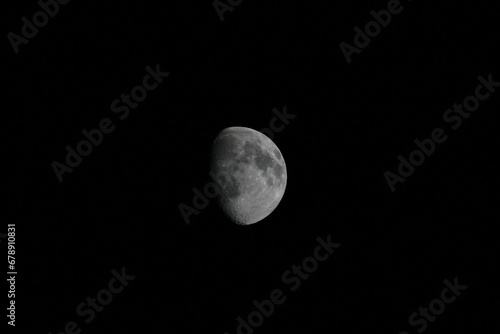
pixel 119 207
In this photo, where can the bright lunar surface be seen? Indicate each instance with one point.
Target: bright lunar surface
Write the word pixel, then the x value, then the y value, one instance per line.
pixel 251 173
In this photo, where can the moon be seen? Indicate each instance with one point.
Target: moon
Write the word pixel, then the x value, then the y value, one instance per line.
pixel 251 173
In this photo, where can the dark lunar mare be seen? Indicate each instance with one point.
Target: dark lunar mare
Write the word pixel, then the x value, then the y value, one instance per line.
pixel 263 160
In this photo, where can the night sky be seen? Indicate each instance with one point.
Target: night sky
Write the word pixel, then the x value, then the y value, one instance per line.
pixel 153 83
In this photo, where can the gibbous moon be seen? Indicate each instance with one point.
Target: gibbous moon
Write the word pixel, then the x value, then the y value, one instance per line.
pixel 251 173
